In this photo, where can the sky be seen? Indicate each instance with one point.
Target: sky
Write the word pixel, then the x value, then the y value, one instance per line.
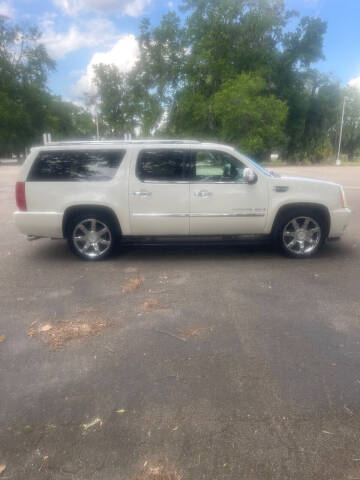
pixel 81 33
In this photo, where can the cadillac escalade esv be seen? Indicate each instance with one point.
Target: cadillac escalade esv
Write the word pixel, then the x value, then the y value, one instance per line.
pixel 94 193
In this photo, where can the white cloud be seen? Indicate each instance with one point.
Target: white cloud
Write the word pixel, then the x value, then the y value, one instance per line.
pixel 355 82
pixel 6 10
pixel 133 8
pixel 92 34
pixel 123 55
pixel 307 3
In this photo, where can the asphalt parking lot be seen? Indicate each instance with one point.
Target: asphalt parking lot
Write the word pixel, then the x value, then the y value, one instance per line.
pixel 169 363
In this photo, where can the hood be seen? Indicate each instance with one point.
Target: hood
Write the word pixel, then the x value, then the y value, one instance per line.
pixel 297 179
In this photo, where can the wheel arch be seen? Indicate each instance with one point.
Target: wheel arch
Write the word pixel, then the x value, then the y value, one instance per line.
pixel 322 209
pixel 70 212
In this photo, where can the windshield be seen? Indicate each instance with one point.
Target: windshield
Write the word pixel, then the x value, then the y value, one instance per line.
pixel 257 165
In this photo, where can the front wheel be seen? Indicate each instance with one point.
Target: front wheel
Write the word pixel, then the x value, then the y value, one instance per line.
pixel 91 237
pixel 300 234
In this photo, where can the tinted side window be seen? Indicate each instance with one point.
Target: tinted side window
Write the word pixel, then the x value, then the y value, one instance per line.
pixel 161 165
pixel 76 165
pixel 215 166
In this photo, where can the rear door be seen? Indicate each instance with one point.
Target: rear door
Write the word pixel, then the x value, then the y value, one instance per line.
pixel 221 202
pixel 159 192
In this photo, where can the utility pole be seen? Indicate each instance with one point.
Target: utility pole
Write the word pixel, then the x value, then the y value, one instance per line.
pixel 97 124
pixel 338 161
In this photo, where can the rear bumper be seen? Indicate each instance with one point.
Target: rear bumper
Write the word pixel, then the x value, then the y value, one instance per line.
pixel 339 221
pixel 39 224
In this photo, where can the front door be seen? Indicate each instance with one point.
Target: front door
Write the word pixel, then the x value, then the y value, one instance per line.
pixel 159 193
pixel 221 202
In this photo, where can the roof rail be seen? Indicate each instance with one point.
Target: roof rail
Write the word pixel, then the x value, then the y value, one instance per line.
pixel 122 142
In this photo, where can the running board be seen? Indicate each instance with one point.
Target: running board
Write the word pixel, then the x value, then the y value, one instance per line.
pixel 196 240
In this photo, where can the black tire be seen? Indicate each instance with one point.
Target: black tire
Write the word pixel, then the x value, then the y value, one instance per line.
pixel 285 233
pixel 105 241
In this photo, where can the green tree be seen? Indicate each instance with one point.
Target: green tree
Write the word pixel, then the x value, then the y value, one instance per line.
pixel 163 55
pixel 321 119
pixel 223 39
pixel 27 109
pixel 65 120
pixel 24 65
pixel 116 108
pixel 191 115
pixel 236 70
pixel 229 37
pixel 249 116
pixel 351 131
pixel 125 103
pixel 297 83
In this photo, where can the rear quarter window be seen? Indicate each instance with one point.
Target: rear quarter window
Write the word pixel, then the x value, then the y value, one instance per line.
pixel 76 166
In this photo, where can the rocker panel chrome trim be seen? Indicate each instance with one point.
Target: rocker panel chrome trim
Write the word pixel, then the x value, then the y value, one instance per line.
pixel 197 215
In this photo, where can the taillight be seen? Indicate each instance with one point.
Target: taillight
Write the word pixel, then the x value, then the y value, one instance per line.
pixel 20 196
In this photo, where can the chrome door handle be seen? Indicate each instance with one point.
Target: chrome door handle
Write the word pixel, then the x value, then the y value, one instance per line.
pixel 142 193
pixel 203 194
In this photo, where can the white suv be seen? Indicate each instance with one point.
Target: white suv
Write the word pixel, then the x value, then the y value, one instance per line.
pixel 93 193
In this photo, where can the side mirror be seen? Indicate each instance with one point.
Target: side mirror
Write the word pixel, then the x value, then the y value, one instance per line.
pixel 249 176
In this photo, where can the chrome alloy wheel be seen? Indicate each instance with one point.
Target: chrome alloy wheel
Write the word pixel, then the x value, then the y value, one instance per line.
pixel 92 238
pixel 301 236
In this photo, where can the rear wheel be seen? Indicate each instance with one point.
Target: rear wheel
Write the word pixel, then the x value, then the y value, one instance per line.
pixel 301 233
pixel 91 236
